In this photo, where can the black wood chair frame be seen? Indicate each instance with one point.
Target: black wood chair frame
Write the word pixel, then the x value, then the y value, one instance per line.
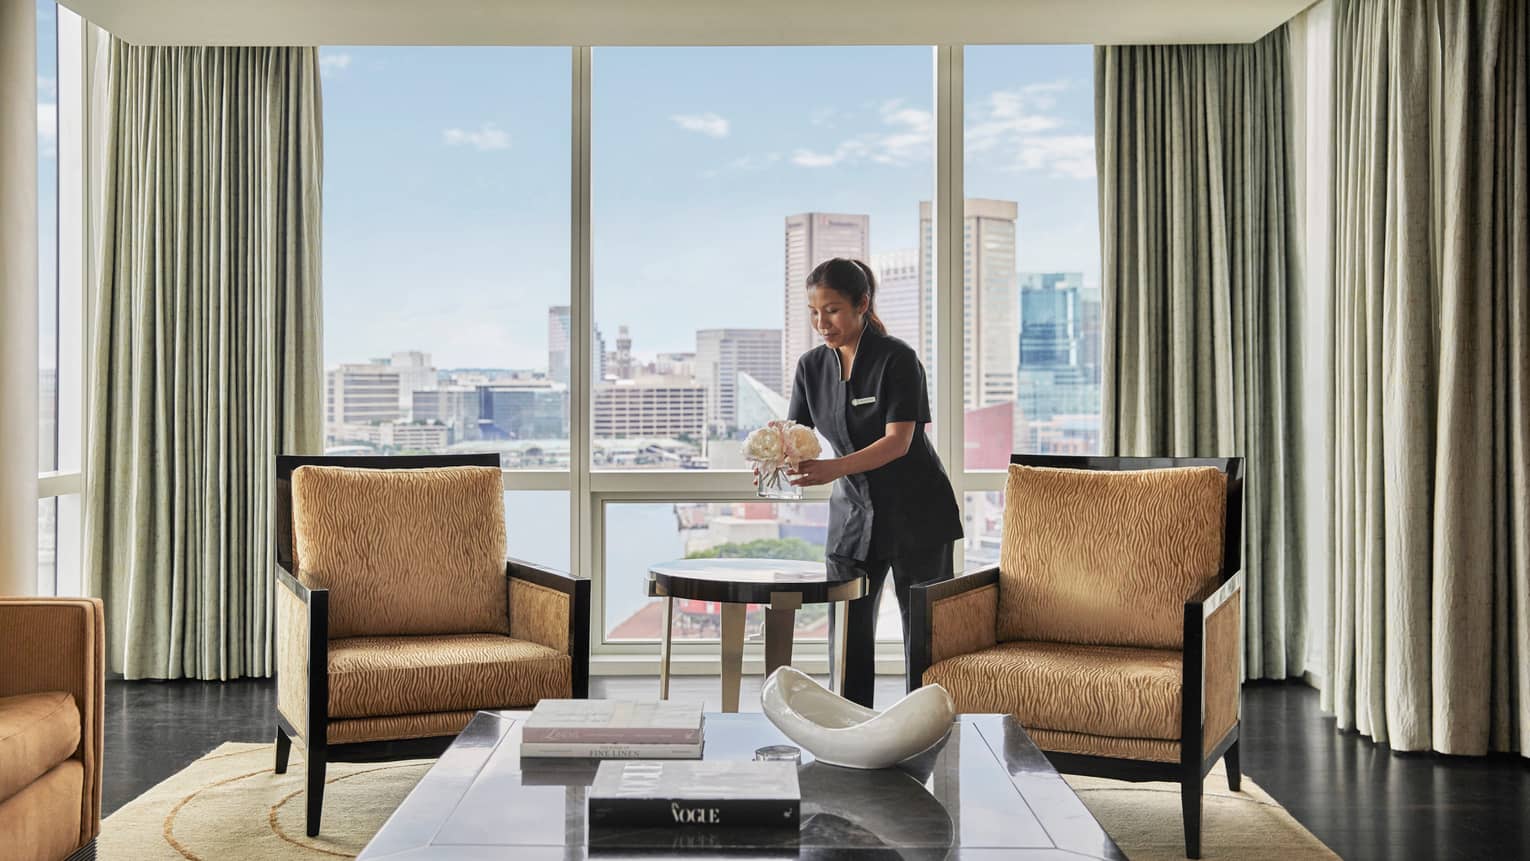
pixel 314 736
pixel 1190 772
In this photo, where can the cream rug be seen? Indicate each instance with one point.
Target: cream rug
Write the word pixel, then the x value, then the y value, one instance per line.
pixel 228 805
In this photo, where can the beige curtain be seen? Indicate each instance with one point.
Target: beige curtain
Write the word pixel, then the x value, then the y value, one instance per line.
pixel 1197 235
pixel 206 358
pixel 1431 602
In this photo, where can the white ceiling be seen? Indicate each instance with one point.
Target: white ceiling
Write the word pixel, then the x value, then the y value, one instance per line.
pixel 684 22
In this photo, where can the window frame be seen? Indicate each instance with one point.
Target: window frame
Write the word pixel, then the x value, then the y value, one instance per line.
pixel 590 491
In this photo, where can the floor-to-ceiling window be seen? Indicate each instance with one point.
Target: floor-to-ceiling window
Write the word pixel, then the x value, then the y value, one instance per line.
pixel 446 266
pixel 720 177
pixel 60 316
pixel 1031 291
pixel 591 262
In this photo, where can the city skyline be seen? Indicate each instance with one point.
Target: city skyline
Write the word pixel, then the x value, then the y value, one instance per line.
pixel 697 153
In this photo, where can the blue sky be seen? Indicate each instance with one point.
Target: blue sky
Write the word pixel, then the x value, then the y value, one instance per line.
pixel 47 181
pixel 447 181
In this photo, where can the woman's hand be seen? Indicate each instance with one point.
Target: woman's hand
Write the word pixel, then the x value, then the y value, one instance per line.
pixel 811 473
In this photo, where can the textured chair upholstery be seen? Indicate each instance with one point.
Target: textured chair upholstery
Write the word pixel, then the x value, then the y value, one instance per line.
pixel 403 551
pixel 400 615
pixel 1113 613
pixel 52 677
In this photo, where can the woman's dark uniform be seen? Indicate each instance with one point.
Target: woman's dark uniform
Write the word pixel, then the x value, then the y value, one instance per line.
pixel 902 515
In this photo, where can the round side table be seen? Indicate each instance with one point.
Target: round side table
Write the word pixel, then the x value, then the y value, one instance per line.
pixel 781 585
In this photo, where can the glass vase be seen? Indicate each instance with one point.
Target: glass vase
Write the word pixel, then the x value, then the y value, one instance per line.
pixel 775 483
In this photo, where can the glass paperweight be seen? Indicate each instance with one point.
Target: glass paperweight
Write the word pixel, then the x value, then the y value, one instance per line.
pixel 776 483
pixel 779 752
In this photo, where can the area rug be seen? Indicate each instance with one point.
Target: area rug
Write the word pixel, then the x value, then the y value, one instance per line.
pixel 228 805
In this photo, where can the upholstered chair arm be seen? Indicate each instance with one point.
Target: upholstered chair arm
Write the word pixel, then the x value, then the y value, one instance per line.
pixel 952 617
pixel 59 644
pixel 552 608
pixel 302 658
pixel 1213 666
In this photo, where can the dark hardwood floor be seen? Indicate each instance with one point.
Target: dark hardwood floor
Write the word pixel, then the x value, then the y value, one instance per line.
pixel 1359 798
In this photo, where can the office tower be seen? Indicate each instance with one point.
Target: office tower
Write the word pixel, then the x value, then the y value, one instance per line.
pixel 723 354
pixel 900 302
pixel 525 410
pixel 811 238
pixel 414 372
pixel 598 355
pixel 682 365
pixel 991 325
pixel 1090 356
pixel 456 407
pixel 652 410
pixel 1049 319
pixel 559 337
pixel 362 394
pixel 1059 363
pixel 620 362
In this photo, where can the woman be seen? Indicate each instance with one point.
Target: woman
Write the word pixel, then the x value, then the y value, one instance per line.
pixel 892 505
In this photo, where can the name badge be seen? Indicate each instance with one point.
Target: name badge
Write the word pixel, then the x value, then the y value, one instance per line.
pixel 861 402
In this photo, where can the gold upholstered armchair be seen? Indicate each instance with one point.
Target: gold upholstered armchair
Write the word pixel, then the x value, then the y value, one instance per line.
pixel 397 613
pixel 52 694
pixel 1112 627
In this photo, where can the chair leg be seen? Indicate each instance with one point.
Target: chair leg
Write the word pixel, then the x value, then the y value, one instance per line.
pixel 316 756
pixel 283 750
pixel 1234 773
pixel 1190 801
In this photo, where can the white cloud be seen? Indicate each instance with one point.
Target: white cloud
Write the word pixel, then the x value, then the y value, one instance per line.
pixel 486 138
pixel 1014 130
pixel 47 88
pixel 709 124
pixel 904 137
pixel 330 63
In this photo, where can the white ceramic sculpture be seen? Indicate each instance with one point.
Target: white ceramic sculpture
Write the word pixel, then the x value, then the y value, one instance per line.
pixel 840 732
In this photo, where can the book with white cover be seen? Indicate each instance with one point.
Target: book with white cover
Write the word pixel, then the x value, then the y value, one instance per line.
pixel 614 722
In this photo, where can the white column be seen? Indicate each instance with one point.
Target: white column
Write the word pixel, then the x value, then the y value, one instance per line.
pixel 18 296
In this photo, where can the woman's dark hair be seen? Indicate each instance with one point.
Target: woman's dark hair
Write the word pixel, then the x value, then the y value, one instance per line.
pixel 853 280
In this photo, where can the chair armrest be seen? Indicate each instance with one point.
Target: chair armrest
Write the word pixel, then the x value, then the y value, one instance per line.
pixel 552 608
pixel 59 644
pixel 302 659
pixel 1213 668
pixel 952 617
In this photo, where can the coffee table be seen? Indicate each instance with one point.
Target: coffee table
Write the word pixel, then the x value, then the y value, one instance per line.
pixel 782 585
pixel 985 792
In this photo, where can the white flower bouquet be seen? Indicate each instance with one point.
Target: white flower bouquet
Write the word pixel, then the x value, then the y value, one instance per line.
pixel 775 450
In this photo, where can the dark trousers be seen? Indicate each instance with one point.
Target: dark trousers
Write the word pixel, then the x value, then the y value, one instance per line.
pixel 921 566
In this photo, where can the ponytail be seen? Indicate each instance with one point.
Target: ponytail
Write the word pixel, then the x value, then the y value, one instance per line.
pixel 871 294
pixel 852 279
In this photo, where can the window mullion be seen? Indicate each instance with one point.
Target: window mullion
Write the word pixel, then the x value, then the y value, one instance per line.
pixel 951 430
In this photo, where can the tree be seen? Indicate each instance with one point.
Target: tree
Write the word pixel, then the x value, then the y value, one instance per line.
pixel 763 548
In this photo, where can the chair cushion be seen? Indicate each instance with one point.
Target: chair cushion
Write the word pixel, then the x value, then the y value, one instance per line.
pixel 403 551
pixel 1108 558
pixel 42 821
pixel 384 676
pixel 1113 691
pixel 37 732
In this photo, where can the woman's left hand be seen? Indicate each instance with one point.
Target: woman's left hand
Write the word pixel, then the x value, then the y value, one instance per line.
pixel 810 473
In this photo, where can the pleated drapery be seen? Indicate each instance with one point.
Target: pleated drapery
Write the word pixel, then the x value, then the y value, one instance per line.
pixel 1199 318
pixel 1431 596
pixel 206 347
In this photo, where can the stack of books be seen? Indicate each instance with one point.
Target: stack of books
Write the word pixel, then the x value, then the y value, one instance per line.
pixel 613 729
